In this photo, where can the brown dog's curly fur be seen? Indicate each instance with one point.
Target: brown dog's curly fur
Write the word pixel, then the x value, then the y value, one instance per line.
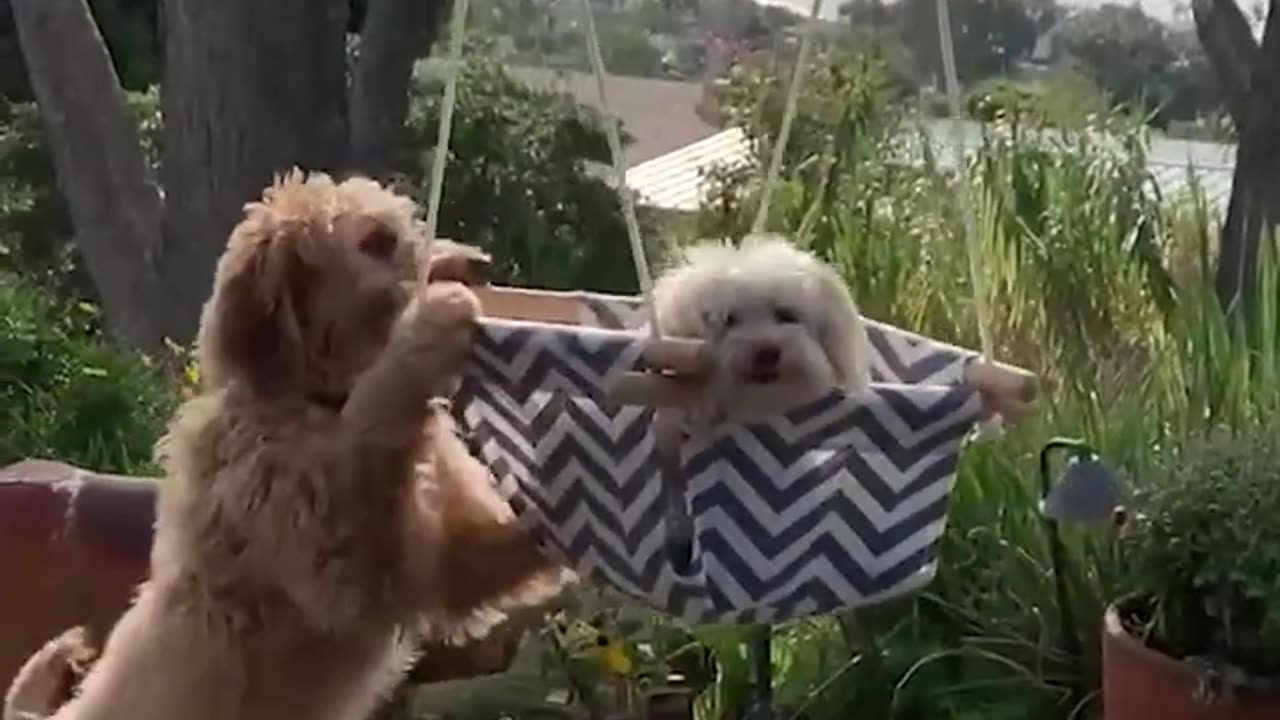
pixel 319 511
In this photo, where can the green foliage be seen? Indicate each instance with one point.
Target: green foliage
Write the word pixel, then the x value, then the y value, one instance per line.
pixel 845 141
pixel 1201 556
pixel 1063 99
pixel 1096 282
pixel 1000 99
pixel 35 230
pixel 625 46
pixel 1071 100
pixel 34 226
pixel 1042 194
pixel 1140 62
pixel 518 182
pixel 1203 552
pixel 627 50
pixel 990 36
pixel 1136 59
pixel 550 32
pixel 68 394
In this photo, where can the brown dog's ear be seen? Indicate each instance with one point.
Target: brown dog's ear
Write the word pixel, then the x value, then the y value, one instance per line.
pixel 258 317
pixel 451 261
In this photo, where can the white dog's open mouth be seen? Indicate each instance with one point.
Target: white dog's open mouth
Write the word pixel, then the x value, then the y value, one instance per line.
pixel 763 377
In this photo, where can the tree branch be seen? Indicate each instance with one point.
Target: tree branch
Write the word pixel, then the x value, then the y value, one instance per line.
pixel 396 33
pixel 1228 42
pixel 97 155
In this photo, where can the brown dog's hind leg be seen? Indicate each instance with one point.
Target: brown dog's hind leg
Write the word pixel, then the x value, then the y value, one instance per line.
pixel 487 563
pixel 49 677
pixel 496 563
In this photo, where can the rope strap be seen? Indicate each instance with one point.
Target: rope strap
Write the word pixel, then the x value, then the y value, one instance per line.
pixel 457 36
pixel 973 246
pixel 627 198
pixel 788 116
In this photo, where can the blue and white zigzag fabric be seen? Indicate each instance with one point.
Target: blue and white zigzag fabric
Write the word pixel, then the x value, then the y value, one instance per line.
pixel 837 504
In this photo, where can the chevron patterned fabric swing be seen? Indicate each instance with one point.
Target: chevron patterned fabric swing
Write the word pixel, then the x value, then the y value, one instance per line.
pixel 836 504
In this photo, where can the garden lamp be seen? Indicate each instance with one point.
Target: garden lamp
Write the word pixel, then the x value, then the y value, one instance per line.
pixel 760 706
pixel 1088 493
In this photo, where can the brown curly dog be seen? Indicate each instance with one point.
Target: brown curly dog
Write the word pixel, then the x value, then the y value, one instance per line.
pixel 319 513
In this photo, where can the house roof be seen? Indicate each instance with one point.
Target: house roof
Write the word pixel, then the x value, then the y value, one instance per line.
pixel 661 116
pixel 677 180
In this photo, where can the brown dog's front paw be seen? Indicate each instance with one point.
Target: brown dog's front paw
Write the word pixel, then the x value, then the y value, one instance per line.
pixel 455 262
pixel 449 304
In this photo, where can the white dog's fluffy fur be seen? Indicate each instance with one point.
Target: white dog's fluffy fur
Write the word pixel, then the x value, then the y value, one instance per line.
pixel 785 328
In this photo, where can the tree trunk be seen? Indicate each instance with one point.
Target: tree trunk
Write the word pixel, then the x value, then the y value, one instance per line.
pixel 101 170
pixel 250 90
pixel 1255 188
pixel 396 33
pixel 1228 42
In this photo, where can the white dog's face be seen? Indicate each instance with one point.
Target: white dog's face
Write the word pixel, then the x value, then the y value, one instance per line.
pixel 785 329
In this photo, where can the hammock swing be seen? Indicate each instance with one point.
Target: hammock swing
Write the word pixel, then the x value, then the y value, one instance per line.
pixel 833 505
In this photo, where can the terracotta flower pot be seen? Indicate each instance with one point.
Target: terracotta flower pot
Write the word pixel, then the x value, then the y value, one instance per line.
pixel 1139 683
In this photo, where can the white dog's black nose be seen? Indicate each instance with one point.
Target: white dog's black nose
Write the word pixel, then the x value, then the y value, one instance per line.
pixel 766 358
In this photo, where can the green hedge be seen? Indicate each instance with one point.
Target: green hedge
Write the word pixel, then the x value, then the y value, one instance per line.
pixel 68 394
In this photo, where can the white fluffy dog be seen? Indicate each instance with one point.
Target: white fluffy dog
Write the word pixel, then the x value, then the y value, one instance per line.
pixel 784 326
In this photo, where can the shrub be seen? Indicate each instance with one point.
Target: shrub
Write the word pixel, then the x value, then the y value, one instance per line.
pixel 35 229
pixel 1204 553
pixel 69 395
pixel 519 180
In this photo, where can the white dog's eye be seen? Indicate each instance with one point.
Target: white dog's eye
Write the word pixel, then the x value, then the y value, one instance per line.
pixel 785 315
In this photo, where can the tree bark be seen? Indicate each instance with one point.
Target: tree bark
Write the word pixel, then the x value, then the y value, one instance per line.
pixel 102 173
pixel 1228 42
pixel 250 89
pixel 395 34
pixel 1254 207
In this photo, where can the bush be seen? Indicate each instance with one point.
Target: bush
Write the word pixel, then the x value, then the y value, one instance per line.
pixel 35 229
pixel 68 395
pixel 1204 553
pixel 519 182
pixel 994 100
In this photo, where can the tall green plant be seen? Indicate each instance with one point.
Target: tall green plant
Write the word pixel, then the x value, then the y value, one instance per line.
pixel 1097 282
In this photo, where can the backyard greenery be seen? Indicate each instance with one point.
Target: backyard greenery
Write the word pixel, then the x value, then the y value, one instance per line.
pixel 1095 281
